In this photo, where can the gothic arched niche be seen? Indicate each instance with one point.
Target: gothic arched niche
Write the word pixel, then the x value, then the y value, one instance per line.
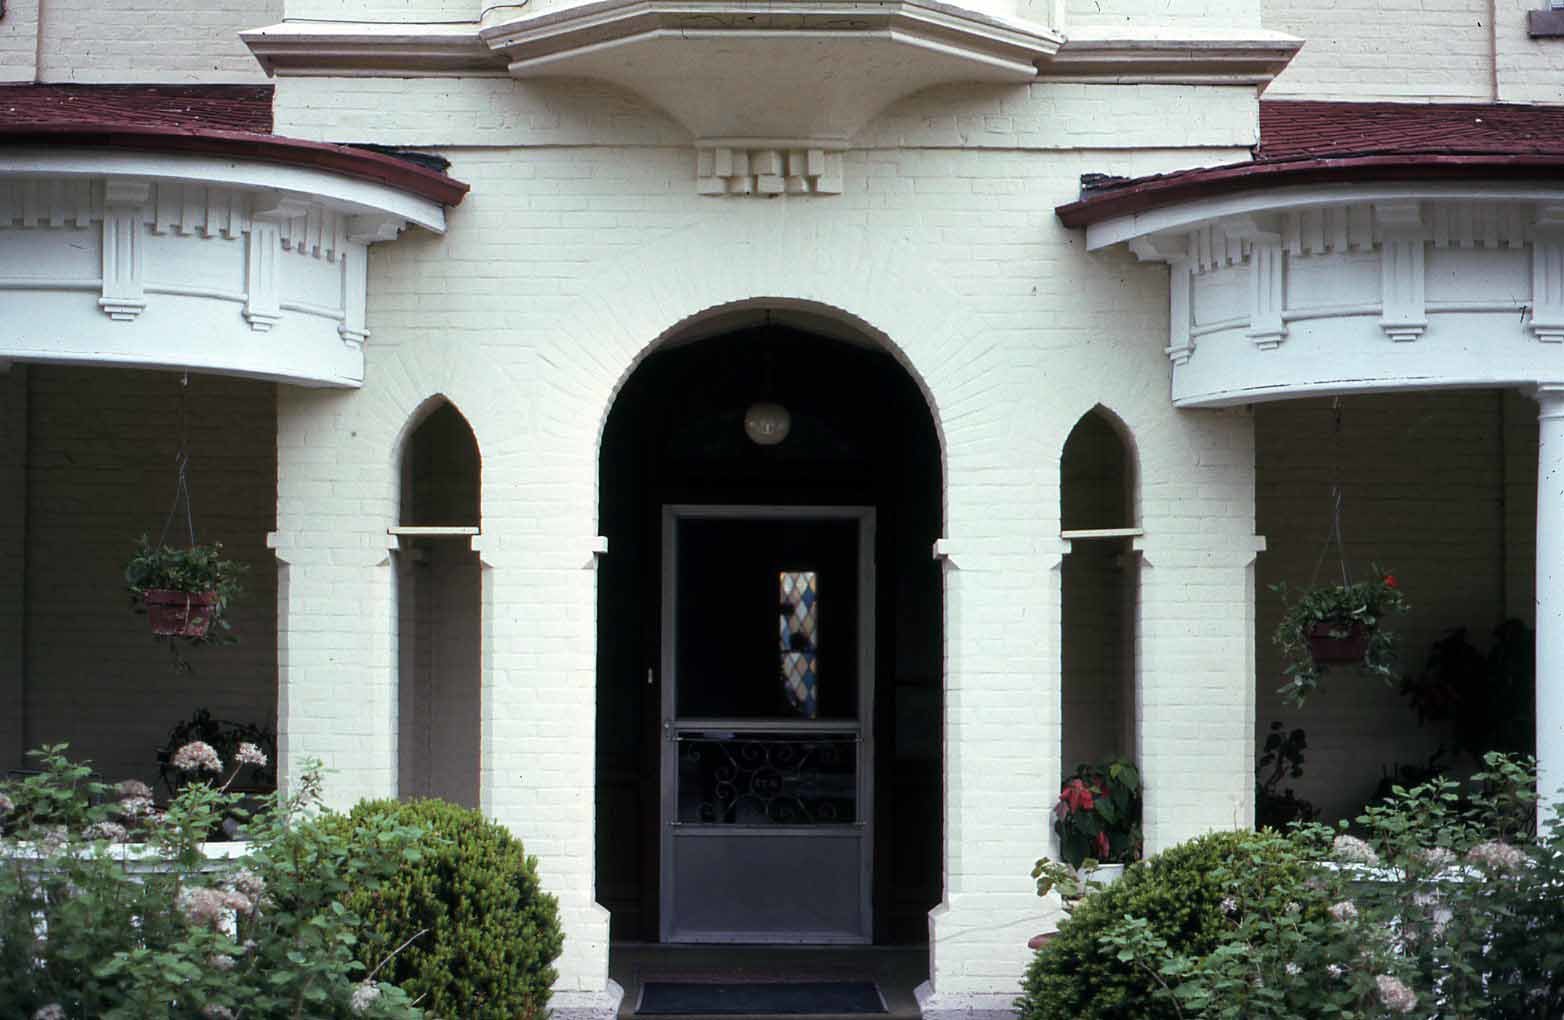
pixel 1098 598
pixel 439 612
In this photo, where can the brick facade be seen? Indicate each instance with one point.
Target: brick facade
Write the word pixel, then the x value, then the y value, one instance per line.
pixel 582 247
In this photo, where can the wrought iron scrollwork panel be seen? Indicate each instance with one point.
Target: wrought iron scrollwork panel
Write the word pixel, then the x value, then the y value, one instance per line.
pixel 768 779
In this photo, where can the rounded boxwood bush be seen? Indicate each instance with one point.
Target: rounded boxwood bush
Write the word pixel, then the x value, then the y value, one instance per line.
pixel 1180 892
pixel 492 933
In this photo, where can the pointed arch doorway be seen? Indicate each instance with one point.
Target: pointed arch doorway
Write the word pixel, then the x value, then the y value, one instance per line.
pixel 769 647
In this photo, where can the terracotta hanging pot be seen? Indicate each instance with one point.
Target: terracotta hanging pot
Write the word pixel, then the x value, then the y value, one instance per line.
pixel 1330 647
pixel 180 613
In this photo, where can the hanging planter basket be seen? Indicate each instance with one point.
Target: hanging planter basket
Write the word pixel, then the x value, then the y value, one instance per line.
pixel 1338 643
pixel 180 613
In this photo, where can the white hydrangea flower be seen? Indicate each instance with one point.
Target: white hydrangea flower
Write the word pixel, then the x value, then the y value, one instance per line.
pixel 1498 855
pixel 127 788
pixel 204 906
pixel 1344 911
pixel 111 831
pixel 53 1011
pixel 365 995
pixel 1352 850
pixel 249 754
pixel 1394 995
pixel 197 756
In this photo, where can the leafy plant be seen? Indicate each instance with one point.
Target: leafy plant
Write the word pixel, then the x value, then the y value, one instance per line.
pixel 1180 898
pixel 93 929
pixel 1450 907
pixel 1276 807
pixel 1336 610
pixel 1072 884
pixel 196 569
pixel 492 933
pixel 1489 699
pixel 1097 815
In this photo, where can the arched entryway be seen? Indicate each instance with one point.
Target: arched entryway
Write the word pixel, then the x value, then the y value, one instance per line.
pixel 769 641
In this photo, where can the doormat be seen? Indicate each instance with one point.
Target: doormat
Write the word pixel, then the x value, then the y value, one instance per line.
pixel 774 997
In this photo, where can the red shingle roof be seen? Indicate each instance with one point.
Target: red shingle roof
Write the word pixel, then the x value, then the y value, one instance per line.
pixel 1293 130
pixel 1318 142
pixel 220 120
pixel 222 107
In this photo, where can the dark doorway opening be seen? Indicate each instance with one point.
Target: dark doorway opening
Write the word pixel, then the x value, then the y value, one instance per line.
pixel 860 435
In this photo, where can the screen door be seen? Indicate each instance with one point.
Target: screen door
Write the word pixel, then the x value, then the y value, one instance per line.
pixel 768 666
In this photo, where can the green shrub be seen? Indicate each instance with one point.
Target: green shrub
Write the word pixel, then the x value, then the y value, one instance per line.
pixel 491 933
pixel 1077 976
pixel 1449 907
pixel 93 930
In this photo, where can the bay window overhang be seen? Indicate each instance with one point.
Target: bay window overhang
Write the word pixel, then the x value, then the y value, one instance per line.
pixel 1332 276
pixel 214 251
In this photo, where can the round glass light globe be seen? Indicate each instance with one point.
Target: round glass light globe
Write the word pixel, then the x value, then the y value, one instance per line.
pixel 766 423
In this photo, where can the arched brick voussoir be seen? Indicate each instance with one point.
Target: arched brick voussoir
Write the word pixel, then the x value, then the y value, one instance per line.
pixel 742 258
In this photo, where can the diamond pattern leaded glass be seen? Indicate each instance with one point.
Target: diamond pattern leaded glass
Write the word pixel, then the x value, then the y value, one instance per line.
pixel 800 640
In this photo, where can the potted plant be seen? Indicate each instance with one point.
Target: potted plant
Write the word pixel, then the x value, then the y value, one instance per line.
pixel 225 738
pixel 1097 817
pixel 1336 625
pixel 185 591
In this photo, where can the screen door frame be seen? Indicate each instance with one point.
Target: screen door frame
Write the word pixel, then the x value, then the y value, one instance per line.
pixel 672 831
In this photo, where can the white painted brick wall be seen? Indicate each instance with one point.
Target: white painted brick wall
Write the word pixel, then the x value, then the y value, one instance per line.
pixel 1385 49
pixel 412 11
pixel 564 264
pixel 152 41
pixel 1436 488
pixel 497 111
pixel 100 447
pixel 1202 13
pixel 19 41
pixel 1529 70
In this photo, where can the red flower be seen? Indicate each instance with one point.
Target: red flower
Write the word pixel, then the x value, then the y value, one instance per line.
pixel 1390 581
pixel 1101 846
pixel 1074 797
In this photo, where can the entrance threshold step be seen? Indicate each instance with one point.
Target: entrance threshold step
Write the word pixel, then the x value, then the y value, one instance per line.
pixel 712 999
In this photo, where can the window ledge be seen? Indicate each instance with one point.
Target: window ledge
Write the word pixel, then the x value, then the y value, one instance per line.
pixel 1545 24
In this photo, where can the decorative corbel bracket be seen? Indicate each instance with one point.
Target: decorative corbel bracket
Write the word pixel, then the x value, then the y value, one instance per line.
pixel 767 167
pixel 1404 312
pixel 1174 250
pixel 355 288
pixel 1267 293
pixel 124 295
pixel 1547 275
pixel 262 305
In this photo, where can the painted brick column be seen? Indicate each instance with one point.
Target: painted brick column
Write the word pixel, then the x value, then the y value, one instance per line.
pixel 1195 678
pixel 540 738
pixel 1550 600
pixel 1001 767
pixel 336 683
